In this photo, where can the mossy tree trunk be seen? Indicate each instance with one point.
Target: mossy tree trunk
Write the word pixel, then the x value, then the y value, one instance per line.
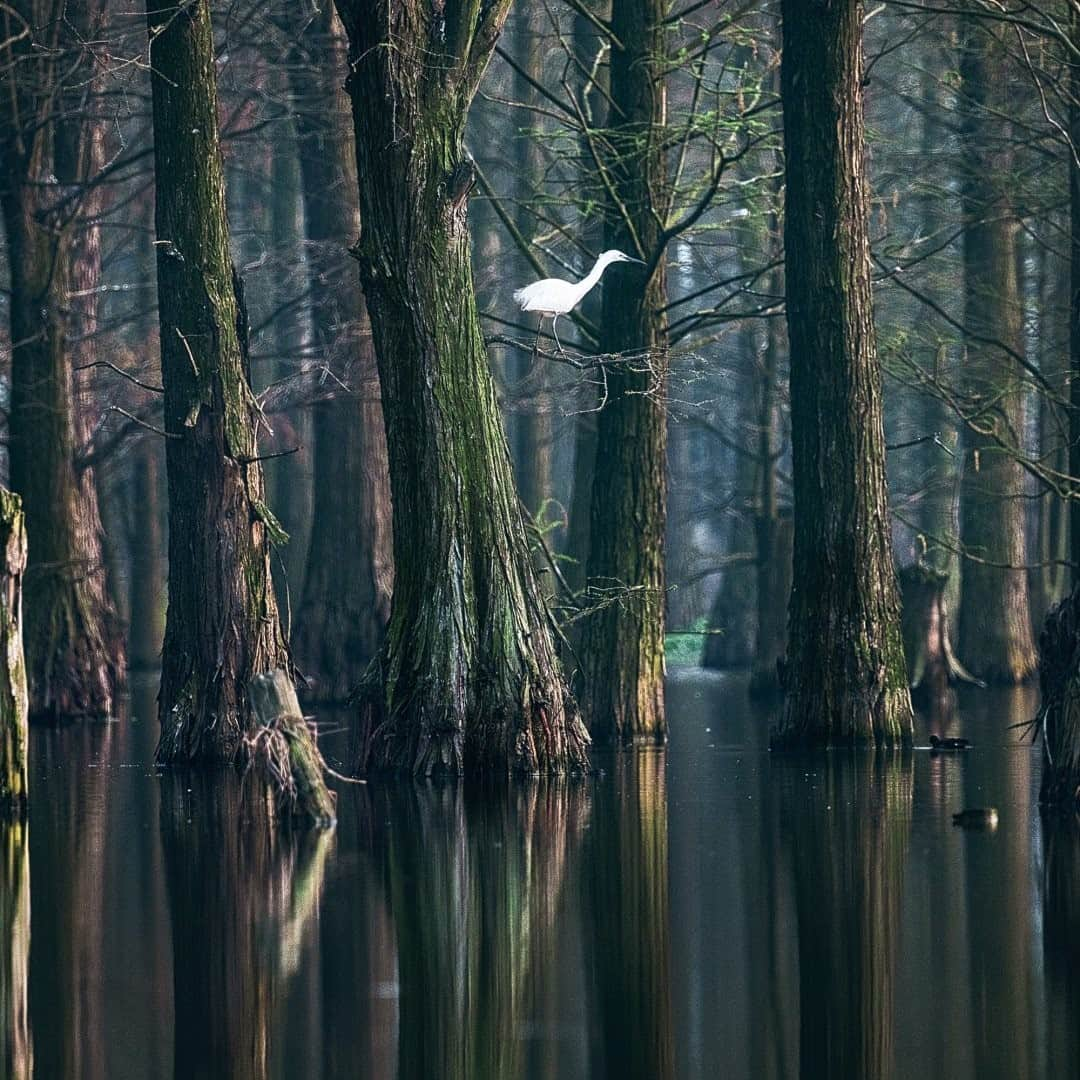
pixel 348 581
pixel 16 1042
pixel 14 700
pixel 994 633
pixel 622 644
pixel 222 626
pixel 845 675
pixel 468 676
pixel 74 649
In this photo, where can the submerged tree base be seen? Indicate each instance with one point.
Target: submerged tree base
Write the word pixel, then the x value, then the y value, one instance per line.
pixel 1059 716
pixel 513 726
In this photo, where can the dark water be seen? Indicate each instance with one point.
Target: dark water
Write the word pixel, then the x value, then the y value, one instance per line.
pixel 708 913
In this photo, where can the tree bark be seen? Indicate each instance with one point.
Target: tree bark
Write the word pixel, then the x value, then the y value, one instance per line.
pixel 468 676
pixel 844 676
pixel 1059 682
pixel 74 649
pixel 222 627
pixel 16 1042
pixel 1074 289
pixel 994 635
pixel 14 698
pixel 148 571
pixel 622 645
pixel 348 581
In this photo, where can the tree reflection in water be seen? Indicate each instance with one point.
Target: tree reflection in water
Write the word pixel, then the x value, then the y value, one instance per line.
pixel 16 1055
pixel 627 924
pixel 242 895
pixel 844 820
pixel 1061 942
pixel 474 878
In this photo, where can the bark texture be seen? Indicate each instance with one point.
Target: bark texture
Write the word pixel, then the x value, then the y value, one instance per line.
pixel 845 676
pixel 1059 681
pixel 222 627
pixel 622 645
pixel 348 581
pixel 73 645
pixel 468 676
pixel 994 635
pixel 14 699
pixel 16 1042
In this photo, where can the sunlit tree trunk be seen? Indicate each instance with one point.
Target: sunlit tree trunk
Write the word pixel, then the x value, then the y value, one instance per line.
pixel 622 643
pixel 222 627
pixel 994 634
pixel 14 700
pixel 348 580
pixel 73 645
pixel 16 1043
pixel 845 676
pixel 468 676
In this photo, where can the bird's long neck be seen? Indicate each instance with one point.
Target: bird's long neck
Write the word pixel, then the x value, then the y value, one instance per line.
pixel 593 276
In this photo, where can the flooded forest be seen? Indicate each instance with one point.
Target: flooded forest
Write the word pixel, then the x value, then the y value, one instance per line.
pixel 539 540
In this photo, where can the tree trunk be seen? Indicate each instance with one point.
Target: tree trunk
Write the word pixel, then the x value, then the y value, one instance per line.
pixel 1059 681
pixel 532 450
pixel 348 581
pixel 994 635
pixel 74 650
pixel 1074 290
pixel 468 676
pixel 775 543
pixel 622 645
pixel 845 675
pixel 16 1043
pixel 148 571
pixel 222 626
pixel 14 699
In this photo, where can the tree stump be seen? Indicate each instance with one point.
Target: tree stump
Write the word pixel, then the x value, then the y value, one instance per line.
pixel 14 701
pixel 932 664
pixel 285 752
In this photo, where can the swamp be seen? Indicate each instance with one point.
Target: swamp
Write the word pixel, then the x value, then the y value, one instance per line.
pixel 539 540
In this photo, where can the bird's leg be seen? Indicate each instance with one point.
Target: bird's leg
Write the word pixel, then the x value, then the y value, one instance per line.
pixel 554 320
pixel 536 341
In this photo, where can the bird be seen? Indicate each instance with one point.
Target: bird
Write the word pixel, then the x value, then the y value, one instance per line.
pixel 553 297
pixel 983 817
pixel 950 742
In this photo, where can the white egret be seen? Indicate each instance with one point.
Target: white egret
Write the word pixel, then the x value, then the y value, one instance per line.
pixel 553 297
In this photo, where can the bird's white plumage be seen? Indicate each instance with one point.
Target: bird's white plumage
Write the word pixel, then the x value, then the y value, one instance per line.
pixel 553 297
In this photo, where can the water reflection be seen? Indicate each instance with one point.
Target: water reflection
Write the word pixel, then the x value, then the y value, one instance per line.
pixel 474 881
pixel 844 826
pixel 243 896
pixel 68 830
pixel 627 926
pixel 708 911
pixel 16 1054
